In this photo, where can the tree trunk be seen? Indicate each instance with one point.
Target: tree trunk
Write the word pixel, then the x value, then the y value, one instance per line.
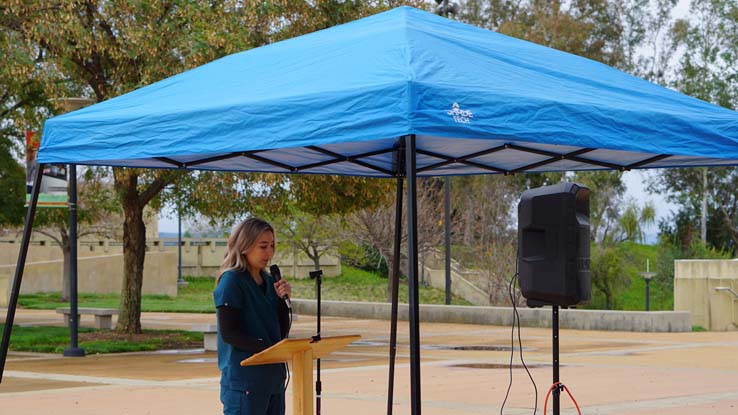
pixel 732 229
pixel 315 257
pixel 608 298
pixel 134 243
pixel 468 227
pixel 134 250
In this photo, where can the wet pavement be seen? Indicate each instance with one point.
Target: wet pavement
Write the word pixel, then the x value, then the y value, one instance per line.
pixel 465 370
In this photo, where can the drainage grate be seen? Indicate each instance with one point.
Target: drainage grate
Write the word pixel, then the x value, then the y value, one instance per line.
pixel 493 366
pixel 370 343
pixel 476 347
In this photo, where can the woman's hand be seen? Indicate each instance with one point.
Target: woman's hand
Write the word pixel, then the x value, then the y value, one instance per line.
pixel 283 288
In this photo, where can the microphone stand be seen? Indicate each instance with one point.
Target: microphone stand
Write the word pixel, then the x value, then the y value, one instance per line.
pixel 317 275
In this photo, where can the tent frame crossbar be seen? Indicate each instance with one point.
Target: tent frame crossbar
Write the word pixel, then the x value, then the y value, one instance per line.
pixel 355 159
pixel 336 158
pixel 553 157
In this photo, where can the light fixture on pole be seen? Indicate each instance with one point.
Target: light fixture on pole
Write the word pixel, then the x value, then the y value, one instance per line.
pixel 647 277
pixel 727 289
pixel 445 8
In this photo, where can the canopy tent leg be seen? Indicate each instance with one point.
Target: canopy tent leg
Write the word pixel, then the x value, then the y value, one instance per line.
pixel 395 295
pixel 412 259
pixel 15 291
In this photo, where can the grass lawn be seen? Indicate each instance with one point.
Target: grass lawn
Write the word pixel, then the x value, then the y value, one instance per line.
pixel 352 285
pixel 359 285
pixel 56 339
pixel 196 297
pixel 634 296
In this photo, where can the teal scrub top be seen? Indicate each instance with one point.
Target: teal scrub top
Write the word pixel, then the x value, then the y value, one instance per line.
pixel 259 311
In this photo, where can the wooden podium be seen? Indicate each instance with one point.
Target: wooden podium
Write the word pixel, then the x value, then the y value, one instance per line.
pixel 301 353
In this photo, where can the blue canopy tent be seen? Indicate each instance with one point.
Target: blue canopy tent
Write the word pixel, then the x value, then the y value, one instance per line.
pixel 400 94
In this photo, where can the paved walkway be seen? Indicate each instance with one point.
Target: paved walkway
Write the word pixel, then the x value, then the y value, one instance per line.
pixel 462 373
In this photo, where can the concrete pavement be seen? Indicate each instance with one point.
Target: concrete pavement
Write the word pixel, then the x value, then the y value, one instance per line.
pixel 464 371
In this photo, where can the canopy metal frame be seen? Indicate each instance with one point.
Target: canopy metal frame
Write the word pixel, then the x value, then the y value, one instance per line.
pixel 445 160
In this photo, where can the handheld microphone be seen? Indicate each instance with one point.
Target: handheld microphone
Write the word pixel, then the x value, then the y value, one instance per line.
pixel 277 274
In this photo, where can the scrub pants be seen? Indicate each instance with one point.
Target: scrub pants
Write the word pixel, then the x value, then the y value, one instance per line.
pixel 249 403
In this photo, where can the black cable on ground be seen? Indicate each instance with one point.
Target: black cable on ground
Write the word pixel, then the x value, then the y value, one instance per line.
pixel 520 343
pixel 516 317
pixel 512 342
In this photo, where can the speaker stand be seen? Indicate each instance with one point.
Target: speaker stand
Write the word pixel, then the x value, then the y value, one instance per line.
pixel 557 388
pixel 318 276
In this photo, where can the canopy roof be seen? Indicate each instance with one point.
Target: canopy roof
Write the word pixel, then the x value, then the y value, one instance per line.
pixel 338 100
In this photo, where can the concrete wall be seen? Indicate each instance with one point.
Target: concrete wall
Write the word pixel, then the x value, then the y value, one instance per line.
pixel 433 273
pixel 100 264
pixel 204 256
pixel 5 290
pixel 46 250
pixel 99 274
pixel 199 256
pixel 460 287
pixel 655 321
pixel 694 291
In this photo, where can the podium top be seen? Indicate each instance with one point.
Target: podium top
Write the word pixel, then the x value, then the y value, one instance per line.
pixel 285 349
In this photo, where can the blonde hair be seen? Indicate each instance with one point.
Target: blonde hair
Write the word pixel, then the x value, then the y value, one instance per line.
pixel 241 240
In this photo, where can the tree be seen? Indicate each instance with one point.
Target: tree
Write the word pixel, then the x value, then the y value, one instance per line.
pixel 607 273
pixel 589 28
pixel 483 230
pixel 13 183
pixel 605 203
pixel 22 104
pixel 482 207
pixel 647 47
pixel 374 226
pixel 684 187
pixel 315 207
pixel 708 70
pixel 633 219
pixel 314 235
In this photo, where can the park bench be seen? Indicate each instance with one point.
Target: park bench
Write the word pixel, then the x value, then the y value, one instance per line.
pixel 103 316
pixel 209 335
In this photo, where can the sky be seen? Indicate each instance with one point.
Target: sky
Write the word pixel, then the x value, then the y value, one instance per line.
pixel 633 181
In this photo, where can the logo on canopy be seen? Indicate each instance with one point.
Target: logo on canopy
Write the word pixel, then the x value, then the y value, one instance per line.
pixel 459 115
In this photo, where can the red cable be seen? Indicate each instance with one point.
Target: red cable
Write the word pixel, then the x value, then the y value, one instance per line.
pixel 554 386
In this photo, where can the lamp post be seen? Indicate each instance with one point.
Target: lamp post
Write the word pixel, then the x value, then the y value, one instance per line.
pixel 647 277
pixel 68 105
pixel 180 279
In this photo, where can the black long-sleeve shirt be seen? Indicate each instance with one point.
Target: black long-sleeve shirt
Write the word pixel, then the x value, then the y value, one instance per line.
pixel 229 322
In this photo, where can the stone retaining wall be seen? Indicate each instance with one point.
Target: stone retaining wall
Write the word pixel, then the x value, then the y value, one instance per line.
pixel 654 321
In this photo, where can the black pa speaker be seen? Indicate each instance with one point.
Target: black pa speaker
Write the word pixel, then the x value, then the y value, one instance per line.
pixel 553 245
